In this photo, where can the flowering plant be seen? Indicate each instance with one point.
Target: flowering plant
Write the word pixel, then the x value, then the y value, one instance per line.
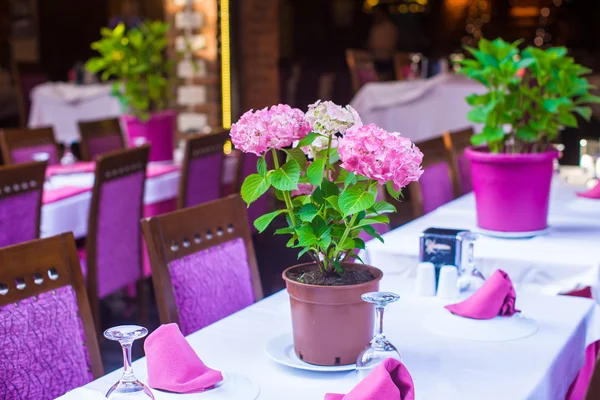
pixel 330 180
pixel 532 95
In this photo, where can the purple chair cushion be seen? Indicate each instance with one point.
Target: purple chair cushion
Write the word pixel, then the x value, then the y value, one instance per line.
pixel 366 75
pixel 204 179
pixel 43 347
pixel 103 144
pixel 26 154
pixel 118 237
pixel 464 172
pixel 211 284
pixel 19 217
pixel 436 186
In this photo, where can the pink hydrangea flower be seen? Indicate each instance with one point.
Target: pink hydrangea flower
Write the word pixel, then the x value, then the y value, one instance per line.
pixel 380 155
pixel 270 128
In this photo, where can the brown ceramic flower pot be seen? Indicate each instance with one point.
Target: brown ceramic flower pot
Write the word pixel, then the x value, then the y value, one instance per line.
pixel 331 324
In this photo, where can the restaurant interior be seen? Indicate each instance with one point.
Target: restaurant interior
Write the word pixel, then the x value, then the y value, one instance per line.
pixel 236 190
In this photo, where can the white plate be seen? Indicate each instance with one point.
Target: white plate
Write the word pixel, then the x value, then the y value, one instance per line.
pixel 233 386
pixel 499 329
pixel 513 235
pixel 281 350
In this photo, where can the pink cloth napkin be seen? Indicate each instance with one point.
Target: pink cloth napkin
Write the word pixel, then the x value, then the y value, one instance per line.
pixel 52 195
pixel 593 193
pixel 173 365
pixel 77 168
pixel 157 170
pixel 495 298
pixel 390 380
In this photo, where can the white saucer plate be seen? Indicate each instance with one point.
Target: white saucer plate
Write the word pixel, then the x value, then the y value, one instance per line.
pixel 513 235
pixel 499 329
pixel 233 386
pixel 281 350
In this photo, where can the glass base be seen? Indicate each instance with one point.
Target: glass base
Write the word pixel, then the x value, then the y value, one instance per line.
pixel 131 390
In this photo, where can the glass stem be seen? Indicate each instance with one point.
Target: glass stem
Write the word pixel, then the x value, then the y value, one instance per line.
pixel 128 369
pixel 379 322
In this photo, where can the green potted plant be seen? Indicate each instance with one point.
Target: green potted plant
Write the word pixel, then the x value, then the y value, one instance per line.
pixel 532 95
pixel 328 184
pixel 135 59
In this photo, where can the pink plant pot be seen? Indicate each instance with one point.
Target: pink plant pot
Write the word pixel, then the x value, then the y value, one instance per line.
pixel 159 131
pixel 512 191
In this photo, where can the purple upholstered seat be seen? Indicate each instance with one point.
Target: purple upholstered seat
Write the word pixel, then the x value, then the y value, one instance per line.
pixel 262 205
pixel 43 344
pixel 19 217
pixel 118 235
pixel 436 186
pixel 103 144
pixel 211 284
pixel 27 154
pixel 464 174
pixel 203 179
pixel 366 75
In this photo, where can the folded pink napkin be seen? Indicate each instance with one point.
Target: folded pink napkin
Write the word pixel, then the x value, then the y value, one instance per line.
pixel 52 195
pixel 495 298
pixel 173 365
pixel 160 169
pixel 390 380
pixel 77 168
pixel 593 193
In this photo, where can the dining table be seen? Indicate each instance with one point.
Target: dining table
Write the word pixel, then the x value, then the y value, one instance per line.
pixel 566 258
pixel 540 366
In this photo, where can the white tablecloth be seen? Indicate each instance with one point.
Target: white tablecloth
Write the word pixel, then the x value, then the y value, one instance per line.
pixel 71 214
pixel 540 367
pixel 62 105
pixel 566 259
pixel 419 110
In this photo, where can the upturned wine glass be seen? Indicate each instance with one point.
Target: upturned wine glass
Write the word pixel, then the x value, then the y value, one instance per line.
pixel 128 387
pixel 379 348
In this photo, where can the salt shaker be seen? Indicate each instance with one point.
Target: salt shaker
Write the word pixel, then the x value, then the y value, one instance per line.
pixel 425 284
pixel 448 283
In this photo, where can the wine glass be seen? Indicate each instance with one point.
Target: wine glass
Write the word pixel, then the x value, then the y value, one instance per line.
pixel 128 387
pixel 379 348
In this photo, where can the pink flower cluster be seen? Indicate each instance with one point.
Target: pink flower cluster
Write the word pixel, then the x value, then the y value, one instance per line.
pixel 380 155
pixel 327 118
pixel 270 128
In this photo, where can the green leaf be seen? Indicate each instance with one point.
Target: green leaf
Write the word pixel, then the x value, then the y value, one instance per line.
pixel 324 191
pixel 297 154
pixel 253 187
pixel 525 63
pixel 285 231
pixel 478 140
pixel 334 156
pixel 308 139
pixel 383 207
pixel 333 200
pixel 478 99
pixel 261 166
pixel 477 115
pixel 588 98
pixel 585 112
pixel 360 244
pixel 307 212
pixel 526 133
pixel 351 179
pixel 392 191
pixel 552 105
pixel 373 233
pixel 355 199
pixel 567 119
pixel 306 236
pixel 315 172
pixel 286 177
pixel 261 223
pixel 493 134
pixel 378 219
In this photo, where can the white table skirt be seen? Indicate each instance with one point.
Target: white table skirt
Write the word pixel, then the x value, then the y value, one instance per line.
pixel 419 110
pixel 540 367
pixel 566 259
pixel 62 105
pixel 71 214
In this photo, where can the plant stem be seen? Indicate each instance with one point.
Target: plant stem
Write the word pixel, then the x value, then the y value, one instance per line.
pixel 346 232
pixel 327 172
pixel 286 194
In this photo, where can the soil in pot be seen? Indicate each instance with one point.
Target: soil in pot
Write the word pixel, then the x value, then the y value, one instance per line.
pixel 312 275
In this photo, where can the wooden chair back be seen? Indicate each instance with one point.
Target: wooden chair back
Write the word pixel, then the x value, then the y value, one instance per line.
pixel 456 143
pixel 196 147
pixel 26 76
pixel 43 265
pixel 19 179
pixel 593 391
pixel 435 151
pixel 110 167
pixel 22 138
pixel 401 61
pixel 92 132
pixel 362 68
pixel 184 232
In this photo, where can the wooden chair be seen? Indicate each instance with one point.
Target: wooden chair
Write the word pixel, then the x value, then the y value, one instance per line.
pixel 439 183
pixel 98 137
pixel 362 68
pixel 48 333
pixel 201 171
pixel 456 143
pixel 21 188
pixel 23 145
pixel 113 252
pixel 593 391
pixel 26 76
pixel 203 263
